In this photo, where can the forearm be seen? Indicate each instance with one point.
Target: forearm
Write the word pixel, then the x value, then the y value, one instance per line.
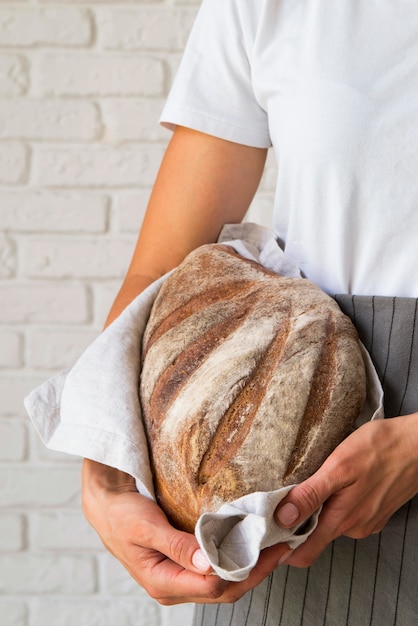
pixel 131 287
pixel 203 183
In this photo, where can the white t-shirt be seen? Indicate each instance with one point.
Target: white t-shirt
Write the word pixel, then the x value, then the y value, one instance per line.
pixel 333 87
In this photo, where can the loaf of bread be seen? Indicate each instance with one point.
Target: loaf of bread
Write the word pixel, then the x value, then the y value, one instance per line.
pixel 249 380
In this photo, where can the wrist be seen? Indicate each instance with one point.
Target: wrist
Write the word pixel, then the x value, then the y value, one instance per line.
pixel 99 476
pixel 100 483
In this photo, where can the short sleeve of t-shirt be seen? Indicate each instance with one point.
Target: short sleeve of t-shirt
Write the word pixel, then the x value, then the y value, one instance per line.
pixel 212 90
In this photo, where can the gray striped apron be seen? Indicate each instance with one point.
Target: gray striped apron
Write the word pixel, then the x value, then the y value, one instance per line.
pixel 371 581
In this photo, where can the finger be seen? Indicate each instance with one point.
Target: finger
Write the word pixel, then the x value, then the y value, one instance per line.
pixel 169 583
pixel 269 560
pixel 153 531
pixel 307 553
pixel 305 499
pixel 180 547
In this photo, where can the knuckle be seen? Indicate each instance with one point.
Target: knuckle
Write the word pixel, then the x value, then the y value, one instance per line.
pixel 234 597
pixel 141 532
pixel 357 533
pixel 165 601
pixel 363 532
pixel 178 547
pixel 216 589
pixel 155 594
pixel 309 496
pixel 303 562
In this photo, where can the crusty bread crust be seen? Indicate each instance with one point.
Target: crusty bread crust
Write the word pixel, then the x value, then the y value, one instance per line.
pixel 249 380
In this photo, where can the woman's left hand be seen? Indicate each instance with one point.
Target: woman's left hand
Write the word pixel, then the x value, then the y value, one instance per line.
pixel 368 477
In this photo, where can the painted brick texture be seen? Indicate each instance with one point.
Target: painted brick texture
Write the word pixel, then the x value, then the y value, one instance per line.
pixel 82 84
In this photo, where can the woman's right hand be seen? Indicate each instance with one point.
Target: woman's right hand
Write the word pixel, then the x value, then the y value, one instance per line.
pixel 166 562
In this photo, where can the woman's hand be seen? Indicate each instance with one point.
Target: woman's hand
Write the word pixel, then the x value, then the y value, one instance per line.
pixel 368 477
pixel 167 563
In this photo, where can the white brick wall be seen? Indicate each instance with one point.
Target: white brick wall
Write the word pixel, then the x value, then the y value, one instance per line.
pixel 82 83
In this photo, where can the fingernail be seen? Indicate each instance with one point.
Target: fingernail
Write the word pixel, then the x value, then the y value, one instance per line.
pixel 200 561
pixel 286 555
pixel 288 514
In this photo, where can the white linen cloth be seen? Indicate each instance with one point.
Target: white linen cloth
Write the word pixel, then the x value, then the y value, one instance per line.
pixel 93 410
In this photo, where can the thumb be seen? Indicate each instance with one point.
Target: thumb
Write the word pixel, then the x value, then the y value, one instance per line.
pixel 183 549
pixel 201 562
pixel 303 500
pixel 156 533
